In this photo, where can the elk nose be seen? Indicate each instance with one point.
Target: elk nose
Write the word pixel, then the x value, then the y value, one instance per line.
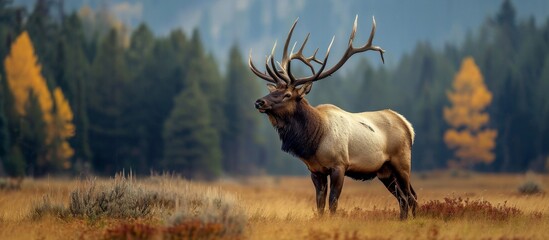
pixel 259 103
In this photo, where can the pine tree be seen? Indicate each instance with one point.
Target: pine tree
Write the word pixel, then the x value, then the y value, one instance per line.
pixel 141 48
pixel 191 141
pixel 4 132
pixel 43 29
pixel 107 101
pixel 209 79
pixel 469 136
pixel 15 163
pixel 240 140
pixel 72 80
pixel 153 90
pixel 35 138
pixel 11 23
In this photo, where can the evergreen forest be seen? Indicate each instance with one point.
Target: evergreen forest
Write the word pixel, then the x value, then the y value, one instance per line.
pixel 81 93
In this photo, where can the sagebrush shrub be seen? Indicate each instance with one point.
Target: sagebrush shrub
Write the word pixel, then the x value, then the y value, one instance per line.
pixel 530 187
pixel 218 214
pixel 120 199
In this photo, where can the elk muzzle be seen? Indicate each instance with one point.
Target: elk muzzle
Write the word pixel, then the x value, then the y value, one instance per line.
pixel 261 105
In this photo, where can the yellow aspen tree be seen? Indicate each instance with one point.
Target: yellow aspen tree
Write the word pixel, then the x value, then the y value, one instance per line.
pixel 472 141
pixel 64 128
pixel 24 77
pixel 27 85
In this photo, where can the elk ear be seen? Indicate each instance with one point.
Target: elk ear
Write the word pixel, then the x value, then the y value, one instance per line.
pixel 271 87
pixel 305 89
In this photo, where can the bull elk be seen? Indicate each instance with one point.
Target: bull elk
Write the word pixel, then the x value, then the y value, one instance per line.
pixel 334 143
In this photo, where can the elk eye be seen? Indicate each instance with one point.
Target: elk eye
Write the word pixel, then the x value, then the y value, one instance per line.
pixel 287 95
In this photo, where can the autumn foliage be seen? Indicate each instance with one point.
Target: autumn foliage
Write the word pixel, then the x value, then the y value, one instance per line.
pixel 24 78
pixel 28 87
pixel 468 135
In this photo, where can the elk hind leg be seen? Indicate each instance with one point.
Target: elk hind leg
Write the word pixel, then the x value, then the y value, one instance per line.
pixel 386 176
pixel 392 185
pixel 413 202
pixel 403 179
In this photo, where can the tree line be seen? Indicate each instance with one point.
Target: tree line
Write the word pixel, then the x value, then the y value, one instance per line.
pixel 161 103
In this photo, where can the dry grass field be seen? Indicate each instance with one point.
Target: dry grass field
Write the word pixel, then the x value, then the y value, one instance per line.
pixel 491 207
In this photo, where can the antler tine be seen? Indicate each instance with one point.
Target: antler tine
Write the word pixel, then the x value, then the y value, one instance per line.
pixel 352 37
pixel 282 79
pixel 285 56
pixel 269 71
pixel 306 60
pixel 348 53
pixel 313 57
pixel 368 45
pixel 322 66
pixel 304 43
pixel 287 71
pixel 259 73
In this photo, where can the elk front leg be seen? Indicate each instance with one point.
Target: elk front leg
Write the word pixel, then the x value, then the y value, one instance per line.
pixel 336 184
pixel 321 186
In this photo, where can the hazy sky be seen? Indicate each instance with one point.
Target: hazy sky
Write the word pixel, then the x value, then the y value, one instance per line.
pixel 256 24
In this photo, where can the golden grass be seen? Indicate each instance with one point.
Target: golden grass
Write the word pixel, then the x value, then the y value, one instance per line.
pixel 283 208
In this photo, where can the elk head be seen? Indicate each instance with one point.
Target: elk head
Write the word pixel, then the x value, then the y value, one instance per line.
pixel 285 90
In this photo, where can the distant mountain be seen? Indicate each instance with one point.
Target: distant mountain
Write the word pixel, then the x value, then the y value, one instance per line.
pixel 256 24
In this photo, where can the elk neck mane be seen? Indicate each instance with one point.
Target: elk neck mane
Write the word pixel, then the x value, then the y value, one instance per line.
pixel 300 131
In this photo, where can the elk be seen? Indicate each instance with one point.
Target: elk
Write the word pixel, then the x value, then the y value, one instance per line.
pixel 334 143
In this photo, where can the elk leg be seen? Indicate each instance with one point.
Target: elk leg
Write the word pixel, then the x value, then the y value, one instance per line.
pixel 403 179
pixel 413 202
pixel 336 184
pixel 321 186
pixel 392 185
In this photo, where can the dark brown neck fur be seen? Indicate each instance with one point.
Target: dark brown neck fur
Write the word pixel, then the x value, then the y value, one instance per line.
pixel 300 131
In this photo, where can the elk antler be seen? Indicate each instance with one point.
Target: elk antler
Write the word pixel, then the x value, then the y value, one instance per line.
pixel 285 76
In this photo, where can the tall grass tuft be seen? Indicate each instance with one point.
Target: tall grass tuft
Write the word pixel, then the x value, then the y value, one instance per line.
pixel 10 183
pixel 46 208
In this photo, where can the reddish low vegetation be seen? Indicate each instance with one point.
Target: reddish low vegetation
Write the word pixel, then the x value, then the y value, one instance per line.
pixel 458 208
pixel 187 230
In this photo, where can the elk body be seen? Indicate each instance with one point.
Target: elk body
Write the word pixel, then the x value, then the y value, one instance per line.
pixel 334 143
